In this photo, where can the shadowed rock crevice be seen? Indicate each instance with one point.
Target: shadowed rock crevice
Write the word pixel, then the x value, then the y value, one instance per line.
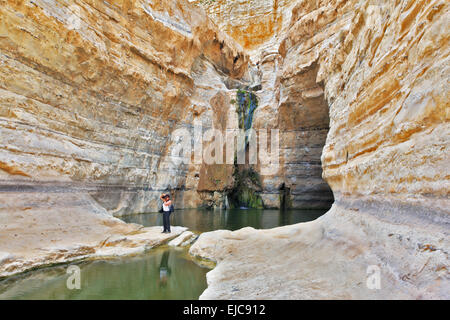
pixel 91 92
pixel 285 197
pixel 304 124
pixel 376 74
pixel 247 182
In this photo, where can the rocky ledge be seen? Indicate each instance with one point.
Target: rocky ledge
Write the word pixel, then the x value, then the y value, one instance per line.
pixel 336 256
pixel 379 69
pixel 43 236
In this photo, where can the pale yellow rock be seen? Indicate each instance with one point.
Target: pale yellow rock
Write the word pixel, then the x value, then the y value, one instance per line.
pixel 182 240
pixel 381 68
pixel 90 92
pixel 255 24
pixel 48 228
pixel 332 257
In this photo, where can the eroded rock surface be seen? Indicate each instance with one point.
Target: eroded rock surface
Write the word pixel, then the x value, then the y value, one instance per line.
pixel 329 258
pixel 183 239
pixel 255 24
pixel 293 103
pixel 382 69
pixel 45 229
pixel 90 92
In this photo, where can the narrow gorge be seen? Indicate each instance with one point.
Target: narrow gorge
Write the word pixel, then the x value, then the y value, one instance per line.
pixel 92 94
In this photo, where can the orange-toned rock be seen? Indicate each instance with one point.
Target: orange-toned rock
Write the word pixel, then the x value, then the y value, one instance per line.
pixel 255 24
pixel 381 70
pixel 294 104
pixel 90 92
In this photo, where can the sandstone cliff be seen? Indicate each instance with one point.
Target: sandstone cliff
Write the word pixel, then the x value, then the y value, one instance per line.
pixel 90 92
pixel 257 25
pixel 291 102
pixel 381 68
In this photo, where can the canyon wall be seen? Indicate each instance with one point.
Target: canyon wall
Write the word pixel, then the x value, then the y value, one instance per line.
pixel 254 24
pixel 90 92
pixel 293 103
pixel 382 68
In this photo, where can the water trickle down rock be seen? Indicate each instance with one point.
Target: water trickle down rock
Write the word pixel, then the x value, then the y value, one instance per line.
pixel 90 94
pixel 247 184
pixel 380 70
pixel 87 107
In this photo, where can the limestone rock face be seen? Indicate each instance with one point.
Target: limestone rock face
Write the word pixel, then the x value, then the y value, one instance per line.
pixel 334 257
pixel 51 227
pixel 384 67
pixel 382 70
pixel 90 93
pixel 299 111
pixel 293 103
pixel 255 24
pixel 183 239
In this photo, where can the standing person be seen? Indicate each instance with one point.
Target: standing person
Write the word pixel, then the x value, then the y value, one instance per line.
pixel 167 209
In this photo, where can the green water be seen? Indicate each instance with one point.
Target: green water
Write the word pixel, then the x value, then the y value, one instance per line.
pixel 198 220
pixel 163 273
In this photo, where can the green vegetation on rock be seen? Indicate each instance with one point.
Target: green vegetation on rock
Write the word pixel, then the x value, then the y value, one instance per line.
pixel 247 102
pixel 247 185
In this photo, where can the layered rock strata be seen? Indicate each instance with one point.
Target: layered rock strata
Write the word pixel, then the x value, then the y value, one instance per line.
pixel 257 25
pixel 39 229
pixel 292 103
pixel 382 68
pixel 90 92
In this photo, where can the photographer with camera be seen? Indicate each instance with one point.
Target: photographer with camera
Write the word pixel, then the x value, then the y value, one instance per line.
pixel 166 210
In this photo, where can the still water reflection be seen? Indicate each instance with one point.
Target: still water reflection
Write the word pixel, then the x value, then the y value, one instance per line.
pixel 198 220
pixel 163 273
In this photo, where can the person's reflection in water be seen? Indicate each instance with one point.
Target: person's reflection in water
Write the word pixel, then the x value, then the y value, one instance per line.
pixel 164 270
